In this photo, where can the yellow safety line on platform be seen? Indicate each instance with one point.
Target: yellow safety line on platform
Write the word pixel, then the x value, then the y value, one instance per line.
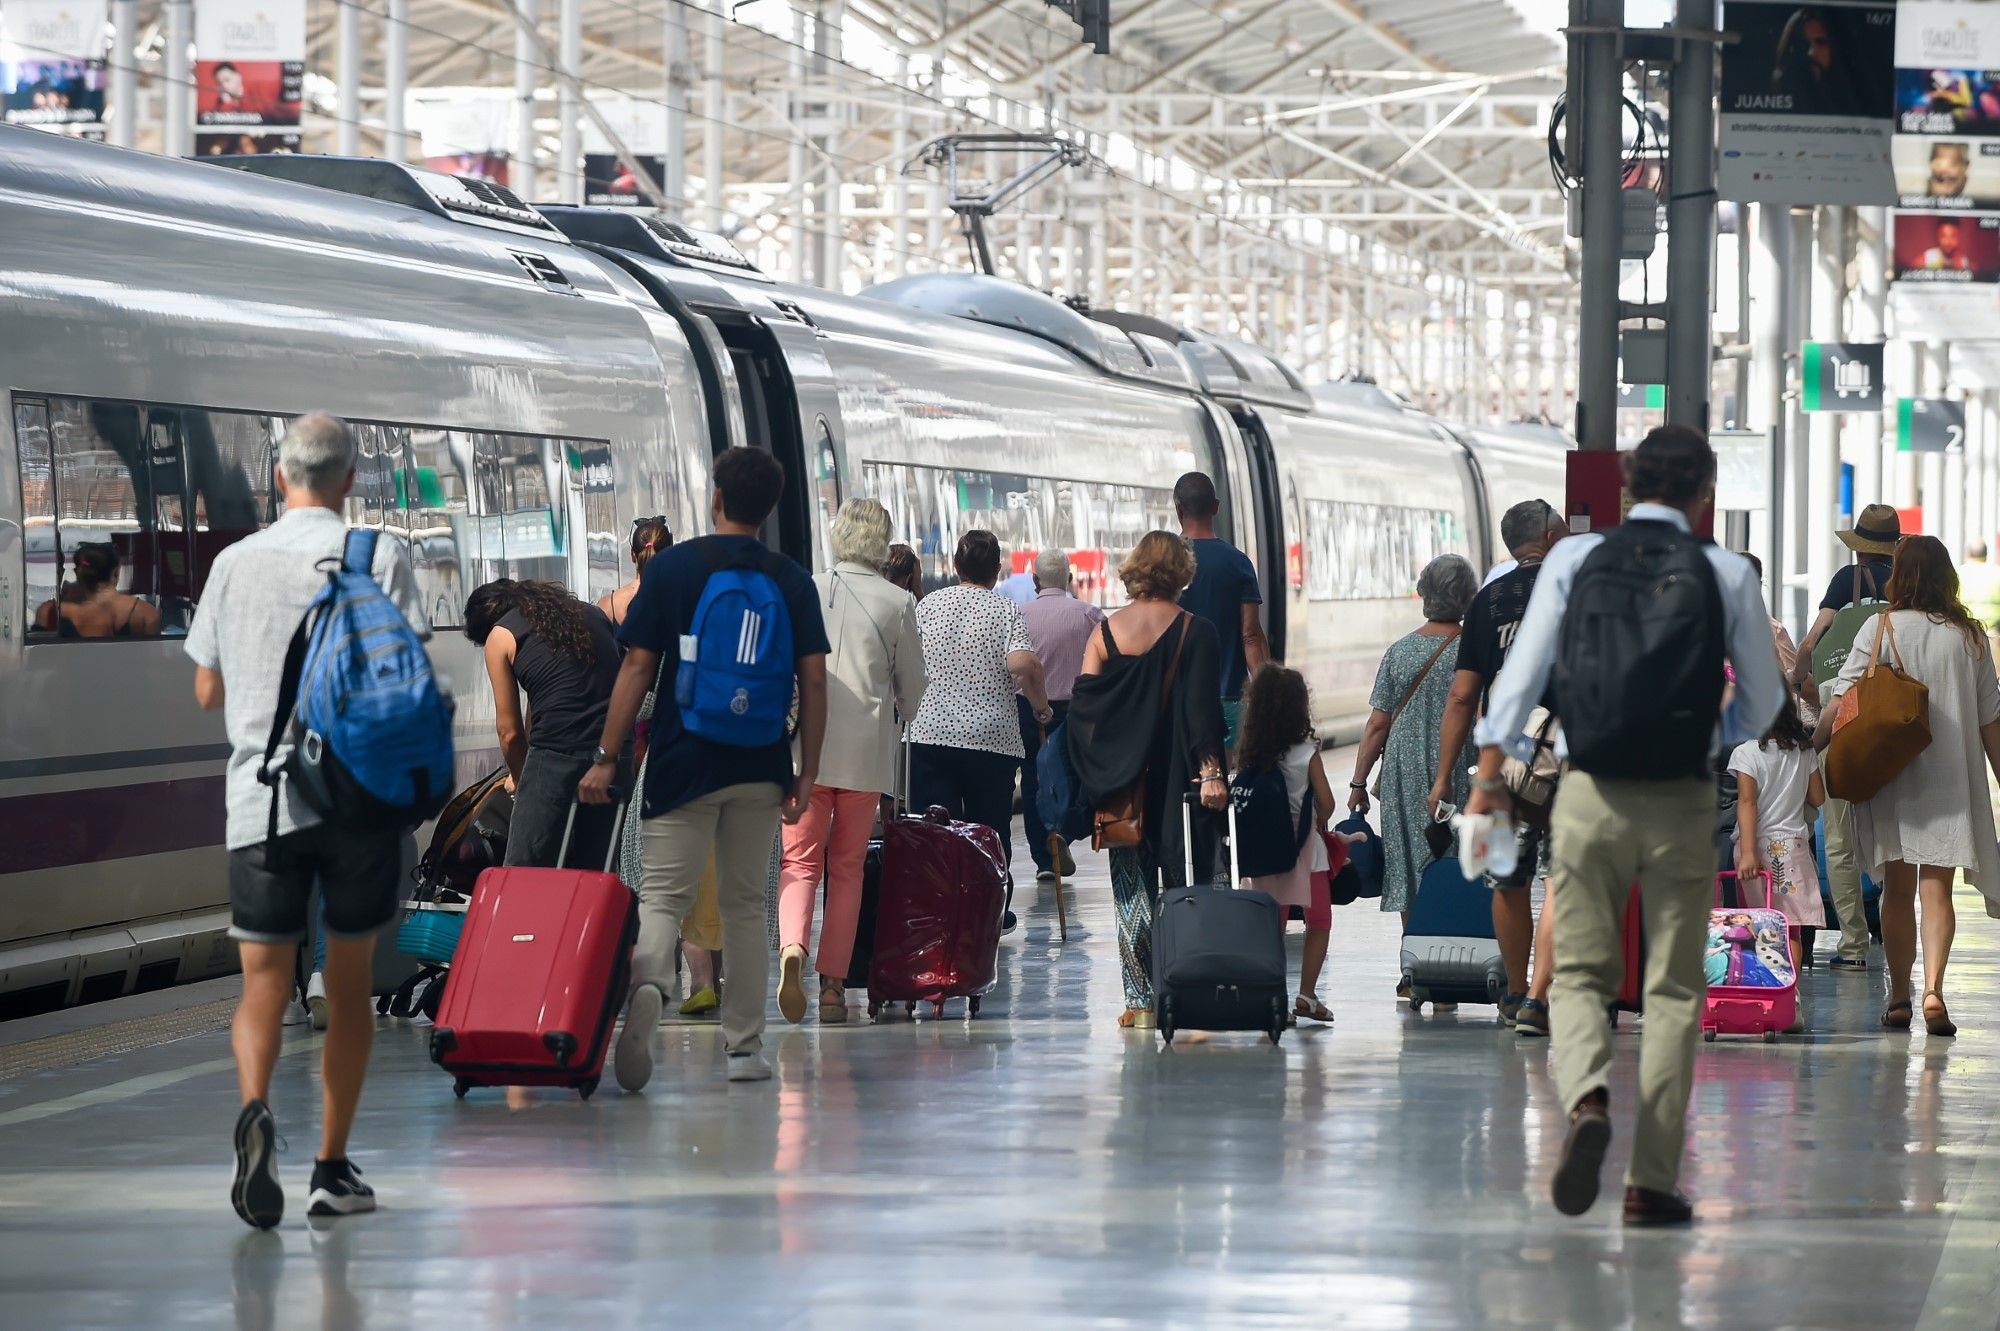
pixel 125 1090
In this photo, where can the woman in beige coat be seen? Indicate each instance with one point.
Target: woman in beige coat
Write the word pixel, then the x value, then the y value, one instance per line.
pixel 874 679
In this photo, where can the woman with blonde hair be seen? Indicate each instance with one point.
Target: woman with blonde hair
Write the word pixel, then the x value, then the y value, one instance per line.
pixel 874 675
pixel 1932 819
pixel 1145 729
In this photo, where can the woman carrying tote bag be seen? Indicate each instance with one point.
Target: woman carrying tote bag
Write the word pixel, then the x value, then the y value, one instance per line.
pixel 1932 818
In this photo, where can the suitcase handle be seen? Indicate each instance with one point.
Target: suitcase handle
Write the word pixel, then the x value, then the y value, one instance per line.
pixel 617 830
pixel 1188 802
pixel 1770 890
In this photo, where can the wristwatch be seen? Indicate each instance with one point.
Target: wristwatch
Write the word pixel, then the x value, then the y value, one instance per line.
pixel 1489 785
pixel 599 757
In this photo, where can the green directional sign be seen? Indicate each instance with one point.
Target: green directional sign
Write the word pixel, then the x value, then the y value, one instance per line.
pixel 1930 425
pixel 1841 376
pixel 1642 397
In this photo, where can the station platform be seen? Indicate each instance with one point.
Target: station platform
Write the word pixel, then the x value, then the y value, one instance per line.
pixel 1035 1167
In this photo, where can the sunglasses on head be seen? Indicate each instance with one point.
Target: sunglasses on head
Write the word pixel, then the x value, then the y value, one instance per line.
pixel 660 518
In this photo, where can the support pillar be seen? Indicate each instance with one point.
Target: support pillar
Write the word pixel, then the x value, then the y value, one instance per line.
pixel 1691 220
pixel 347 134
pixel 569 98
pixel 521 176
pixel 712 91
pixel 1866 433
pixel 177 138
pixel 396 82
pixel 674 50
pixel 1599 117
pixel 1769 255
pixel 1829 294
pixel 124 73
pixel 1801 521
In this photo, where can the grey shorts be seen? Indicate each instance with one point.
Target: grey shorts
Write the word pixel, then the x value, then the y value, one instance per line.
pixel 270 884
pixel 1532 860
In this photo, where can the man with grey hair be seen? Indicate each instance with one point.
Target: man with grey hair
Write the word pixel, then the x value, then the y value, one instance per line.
pixel 1529 528
pixel 1060 626
pixel 254 598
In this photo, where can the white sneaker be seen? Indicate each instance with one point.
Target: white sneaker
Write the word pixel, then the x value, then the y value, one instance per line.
pixel 316 1001
pixel 748 1065
pixel 632 1062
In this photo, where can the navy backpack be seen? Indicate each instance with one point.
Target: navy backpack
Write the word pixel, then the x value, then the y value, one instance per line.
pixel 1268 836
pixel 370 731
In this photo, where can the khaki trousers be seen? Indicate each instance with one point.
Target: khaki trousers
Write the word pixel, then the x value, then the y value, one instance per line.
pixel 1607 834
pixel 738 825
pixel 1843 877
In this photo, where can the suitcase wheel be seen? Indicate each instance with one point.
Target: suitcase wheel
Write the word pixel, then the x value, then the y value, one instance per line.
pixel 937 1009
pixel 460 1086
pixel 1418 997
pixel 972 1007
pixel 1277 1031
pixel 874 1008
pixel 587 1088
pixel 1708 1035
pixel 1770 1037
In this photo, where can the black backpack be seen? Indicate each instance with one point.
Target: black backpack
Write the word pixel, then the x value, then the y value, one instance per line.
pixel 1268 842
pixel 1639 671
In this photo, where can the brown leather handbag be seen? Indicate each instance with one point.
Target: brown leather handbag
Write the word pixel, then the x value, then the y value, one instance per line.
pixel 1879 726
pixel 1120 817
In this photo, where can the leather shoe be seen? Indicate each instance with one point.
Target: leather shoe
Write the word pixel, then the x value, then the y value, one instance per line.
pixel 1575 1185
pixel 1643 1206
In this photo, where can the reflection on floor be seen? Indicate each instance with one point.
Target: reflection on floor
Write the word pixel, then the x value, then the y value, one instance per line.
pixel 1038 1168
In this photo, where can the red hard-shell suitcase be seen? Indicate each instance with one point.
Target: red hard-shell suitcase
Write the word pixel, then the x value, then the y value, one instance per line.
pixel 540 973
pixel 937 922
pixel 1632 989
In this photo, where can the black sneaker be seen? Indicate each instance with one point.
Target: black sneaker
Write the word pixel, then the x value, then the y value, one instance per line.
pixel 256 1193
pixel 337 1189
pixel 1532 1018
pixel 1008 923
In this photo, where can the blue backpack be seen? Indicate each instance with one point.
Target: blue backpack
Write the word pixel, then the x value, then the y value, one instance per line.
pixel 1268 836
pixel 1364 857
pixel 734 683
pixel 371 733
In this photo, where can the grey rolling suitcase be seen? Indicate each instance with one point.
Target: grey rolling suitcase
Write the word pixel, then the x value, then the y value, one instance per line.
pixel 1218 954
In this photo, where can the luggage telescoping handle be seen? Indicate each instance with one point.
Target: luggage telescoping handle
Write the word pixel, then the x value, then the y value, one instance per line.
pixel 1770 890
pixel 1193 798
pixel 617 830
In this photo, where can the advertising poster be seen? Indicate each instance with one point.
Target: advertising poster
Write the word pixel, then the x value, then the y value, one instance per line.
pixel 1947 151
pixel 464 134
pixel 1808 100
pixel 249 73
pixel 52 65
pixel 607 181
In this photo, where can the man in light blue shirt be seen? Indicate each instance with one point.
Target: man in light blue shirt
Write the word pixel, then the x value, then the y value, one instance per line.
pixel 1639 802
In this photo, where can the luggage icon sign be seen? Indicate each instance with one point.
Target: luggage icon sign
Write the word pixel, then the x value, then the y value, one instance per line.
pixel 1841 376
pixel 1851 377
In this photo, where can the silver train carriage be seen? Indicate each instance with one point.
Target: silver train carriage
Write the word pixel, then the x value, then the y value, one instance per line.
pixel 529 381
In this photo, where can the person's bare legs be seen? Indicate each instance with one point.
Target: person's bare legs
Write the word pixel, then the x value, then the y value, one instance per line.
pixel 1899 927
pixel 1940 924
pixel 1514 928
pixel 1311 958
pixel 1544 972
pixel 700 963
pixel 350 1031
pixel 257 1031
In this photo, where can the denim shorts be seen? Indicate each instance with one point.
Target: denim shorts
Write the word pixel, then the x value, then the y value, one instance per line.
pixel 270 884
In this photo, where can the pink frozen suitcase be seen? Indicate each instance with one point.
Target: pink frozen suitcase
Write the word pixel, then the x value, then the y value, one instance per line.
pixel 1753 986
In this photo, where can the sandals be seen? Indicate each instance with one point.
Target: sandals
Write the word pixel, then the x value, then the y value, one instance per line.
pixel 1309 1007
pixel 1892 1021
pixel 832 1003
pixel 1940 1025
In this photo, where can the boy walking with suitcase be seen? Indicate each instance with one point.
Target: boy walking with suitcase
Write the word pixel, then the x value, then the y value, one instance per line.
pixel 732 632
pixel 279 845
pixel 1634 626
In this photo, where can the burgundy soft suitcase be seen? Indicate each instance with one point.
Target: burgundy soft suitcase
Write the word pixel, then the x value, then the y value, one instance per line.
pixel 937 923
pixel 540 973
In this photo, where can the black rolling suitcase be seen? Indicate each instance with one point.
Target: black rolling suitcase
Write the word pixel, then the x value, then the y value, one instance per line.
pixel 1218 955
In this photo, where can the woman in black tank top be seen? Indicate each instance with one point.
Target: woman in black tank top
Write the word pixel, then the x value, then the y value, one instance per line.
pixel 542 642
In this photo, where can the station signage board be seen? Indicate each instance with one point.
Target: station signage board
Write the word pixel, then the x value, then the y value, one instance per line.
pixel 1930 425
pixel 1841 376
pixel 1808 102
pixel 52 65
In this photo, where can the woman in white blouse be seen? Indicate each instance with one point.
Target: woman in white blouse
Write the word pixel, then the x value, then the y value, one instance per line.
pixel 874 677
pixel 966 740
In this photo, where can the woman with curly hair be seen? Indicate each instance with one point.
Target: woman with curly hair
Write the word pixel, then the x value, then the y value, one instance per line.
pixel 541 641
pixel 1932 820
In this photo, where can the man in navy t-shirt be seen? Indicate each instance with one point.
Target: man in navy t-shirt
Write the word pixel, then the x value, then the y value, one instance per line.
pixel 701 796
pixel 1224 592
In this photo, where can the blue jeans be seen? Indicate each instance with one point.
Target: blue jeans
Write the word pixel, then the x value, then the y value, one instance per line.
pixel 1031 817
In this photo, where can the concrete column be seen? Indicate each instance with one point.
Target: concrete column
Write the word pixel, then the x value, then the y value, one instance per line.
pixel 714 49
pixel 674 47
pixel 347 134
pixel 396 82
pixel 124 131
pixel 177 140
pixel 1800 522
pixel 1769 254
pixel 1935 499
pixel 1901 477
pixel 1867 436
pixel 1597 74
pixel 569 101
pixel 898 224
pixel 522 176
pixel 1828 296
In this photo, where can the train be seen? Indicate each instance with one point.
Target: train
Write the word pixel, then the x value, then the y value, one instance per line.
pixel 526 381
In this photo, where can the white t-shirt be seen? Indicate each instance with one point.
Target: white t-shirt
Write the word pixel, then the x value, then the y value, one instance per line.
pixel 1297 767
pixel 1782 777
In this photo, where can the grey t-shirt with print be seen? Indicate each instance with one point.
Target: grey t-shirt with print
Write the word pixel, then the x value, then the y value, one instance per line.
pixel 250 607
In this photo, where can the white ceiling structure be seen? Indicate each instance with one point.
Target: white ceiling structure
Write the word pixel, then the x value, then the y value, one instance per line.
pixel 1361 184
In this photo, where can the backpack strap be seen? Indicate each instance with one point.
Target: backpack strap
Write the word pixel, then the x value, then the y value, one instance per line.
pixel 358 555
pixel 281 714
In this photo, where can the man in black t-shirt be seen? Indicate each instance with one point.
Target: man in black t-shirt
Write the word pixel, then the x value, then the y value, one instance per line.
pixel 1528 529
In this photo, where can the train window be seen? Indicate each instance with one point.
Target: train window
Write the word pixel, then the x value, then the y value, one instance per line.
pixel 436 492
pixel 1374 552
pixel 520 503
pixel 44 571
pixel 604 545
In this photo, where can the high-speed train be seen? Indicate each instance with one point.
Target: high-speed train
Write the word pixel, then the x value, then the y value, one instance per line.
pixel 527 382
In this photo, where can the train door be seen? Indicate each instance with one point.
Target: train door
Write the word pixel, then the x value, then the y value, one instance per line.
pixel 784 387
pixel 1262 502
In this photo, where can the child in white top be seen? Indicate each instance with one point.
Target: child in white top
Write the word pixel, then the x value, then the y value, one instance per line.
pixel 1778 786
pixel 1277 732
